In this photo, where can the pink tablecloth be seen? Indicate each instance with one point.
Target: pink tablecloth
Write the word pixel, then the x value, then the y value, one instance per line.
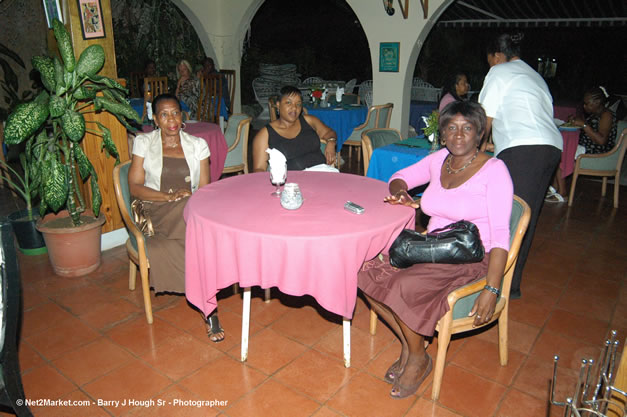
pixel 562 112
pixel 215 139
pixel 571 140
pixel 238 232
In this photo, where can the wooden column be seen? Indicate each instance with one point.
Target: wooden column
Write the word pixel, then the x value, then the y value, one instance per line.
pixel 91 144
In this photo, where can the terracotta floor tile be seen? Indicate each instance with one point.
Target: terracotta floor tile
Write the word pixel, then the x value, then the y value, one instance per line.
pixel 135 381
pixel 469 394
pixel 578 326
pixel 315 375
pixel 620 315
pixel 46 382
pixel 63 337
pixel 32 298
pixel 519 404
pixel 268 351
pixel 482 358
pixel 583 302
pixel 520 336
pixel 291 325
pixel 571 351
pixel 535 376
pixel 527 311
pixel 273 399
pixel 92 360
pixel 364 347
pixel 87 407
pixel 265 313
pixel 180 356
pixel 549 271
pixel 181 314
pixel 104 316
pixel 175 402
pixel 542 292
pixel 42 317
pixel 83 299
pixel 427 408
pixel 224 379
pixel 139 337
pixel 326 412
pixel 596 286
pixel 366 396
pixel 29 358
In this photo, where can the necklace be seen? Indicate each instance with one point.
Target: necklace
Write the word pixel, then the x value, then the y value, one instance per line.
pixel 173 145
pixel 457 171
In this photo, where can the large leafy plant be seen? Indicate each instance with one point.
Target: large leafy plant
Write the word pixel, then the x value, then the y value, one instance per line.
pixel 53 125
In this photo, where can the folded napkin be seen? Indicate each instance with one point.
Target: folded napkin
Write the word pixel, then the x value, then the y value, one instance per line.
pixel 322 168
pixel 277 163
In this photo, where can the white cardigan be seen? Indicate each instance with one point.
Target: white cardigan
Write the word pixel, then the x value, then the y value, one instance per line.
pixel 149 147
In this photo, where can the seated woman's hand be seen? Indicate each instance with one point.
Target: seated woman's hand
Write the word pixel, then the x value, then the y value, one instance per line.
pixel 329 153
pixel 403 198
pixel 179 194
pixel 484 307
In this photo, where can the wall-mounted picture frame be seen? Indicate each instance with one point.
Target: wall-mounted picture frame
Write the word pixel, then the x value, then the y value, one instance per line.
pixel 92 23
pixel 389 54
pixel 52 9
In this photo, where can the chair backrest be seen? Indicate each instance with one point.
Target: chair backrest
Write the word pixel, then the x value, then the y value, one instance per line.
pixel 518 222
pixel 378 116
pixel 134 84
pixel 350 86
pixel 426 93
pixel 610 161
pixel 419 82
pixel 367 97
pixel 372 139
pixel 236 135
pixel 350 98
pixel 123 198
pixel 209 98
pixel 264 88
pixel 273 107
pixel 313 80
pixel 364 87
pixel 156 85
pixel 230 82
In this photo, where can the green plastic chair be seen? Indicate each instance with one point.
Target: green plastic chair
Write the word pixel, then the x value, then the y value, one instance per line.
pixel 603 165
pixel 461 300
pixel 378 116
pixel 236 135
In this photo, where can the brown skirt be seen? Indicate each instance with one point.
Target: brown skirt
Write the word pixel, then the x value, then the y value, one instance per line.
pixel 417 295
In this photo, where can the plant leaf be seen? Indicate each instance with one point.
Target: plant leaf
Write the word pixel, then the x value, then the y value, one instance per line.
pixel 84 166
pixel 59 73
pixel 57 106
pixel 45 66
pixel 65 45
pixel 55 185
pixel 73 124
pixel 26 119
pixel 96 197
pixel 108 144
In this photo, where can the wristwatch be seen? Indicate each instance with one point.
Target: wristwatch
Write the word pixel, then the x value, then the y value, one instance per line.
pixel 584 126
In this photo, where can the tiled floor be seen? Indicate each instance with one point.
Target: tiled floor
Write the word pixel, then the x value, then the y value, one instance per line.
pixel 87 339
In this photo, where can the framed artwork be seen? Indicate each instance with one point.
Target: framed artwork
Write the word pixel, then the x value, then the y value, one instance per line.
pixel 389 56
pixel 92 22
pixel 52 9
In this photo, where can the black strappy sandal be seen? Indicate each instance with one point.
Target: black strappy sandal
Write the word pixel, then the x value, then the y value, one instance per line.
pixel 214 328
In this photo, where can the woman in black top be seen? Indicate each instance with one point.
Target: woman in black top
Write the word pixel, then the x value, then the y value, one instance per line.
pixel 296 135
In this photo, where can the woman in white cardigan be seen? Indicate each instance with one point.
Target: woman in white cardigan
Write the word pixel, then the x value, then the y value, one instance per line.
pixel 168 166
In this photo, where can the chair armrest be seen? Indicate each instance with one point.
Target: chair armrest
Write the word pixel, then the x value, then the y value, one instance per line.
pixel 465 291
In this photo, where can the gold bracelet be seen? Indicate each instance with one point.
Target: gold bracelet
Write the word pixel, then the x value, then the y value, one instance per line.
pixel 331 140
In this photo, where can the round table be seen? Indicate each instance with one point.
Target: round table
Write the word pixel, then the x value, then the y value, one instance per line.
pixel 343 120
pixel 238 232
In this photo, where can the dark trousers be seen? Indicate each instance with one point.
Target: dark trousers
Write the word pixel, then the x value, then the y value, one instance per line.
pixel 531 168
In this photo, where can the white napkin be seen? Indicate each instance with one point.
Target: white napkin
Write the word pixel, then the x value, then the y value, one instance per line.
pixel 339 92
pixel 277 163
pixel 558 122
pixel 322 168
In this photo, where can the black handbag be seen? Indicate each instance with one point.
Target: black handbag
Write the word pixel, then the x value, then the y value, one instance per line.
pixel 457 243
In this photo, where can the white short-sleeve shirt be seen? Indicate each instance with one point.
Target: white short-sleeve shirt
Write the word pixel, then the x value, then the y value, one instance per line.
pixel 521 106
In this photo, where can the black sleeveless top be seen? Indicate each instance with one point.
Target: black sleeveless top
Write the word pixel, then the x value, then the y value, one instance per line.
pixel 301 152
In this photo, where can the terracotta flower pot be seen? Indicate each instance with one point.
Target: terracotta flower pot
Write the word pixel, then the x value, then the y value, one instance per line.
pixel 73 251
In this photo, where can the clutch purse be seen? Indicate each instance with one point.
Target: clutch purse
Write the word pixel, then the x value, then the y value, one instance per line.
pixel 142 218
pixel 457 243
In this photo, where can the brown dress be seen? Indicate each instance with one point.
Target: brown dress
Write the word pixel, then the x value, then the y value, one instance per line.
pixel 166 249
pixel 417 295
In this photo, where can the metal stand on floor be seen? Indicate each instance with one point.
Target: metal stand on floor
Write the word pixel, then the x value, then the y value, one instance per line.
pixel 594 400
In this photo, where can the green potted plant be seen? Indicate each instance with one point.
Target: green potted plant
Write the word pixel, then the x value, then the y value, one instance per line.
pixel 53 126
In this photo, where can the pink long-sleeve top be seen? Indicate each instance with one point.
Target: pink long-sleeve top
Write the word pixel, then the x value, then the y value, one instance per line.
pixel 485 199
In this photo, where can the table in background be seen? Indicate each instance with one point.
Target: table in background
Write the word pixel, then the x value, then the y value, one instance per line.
pixel 417 109
pixel 211 133
pixel 386 160
pixel 341 119
pixel 570 137
pixel 238 233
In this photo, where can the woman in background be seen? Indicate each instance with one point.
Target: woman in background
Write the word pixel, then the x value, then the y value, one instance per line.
pixel 455 89
pixel 187 89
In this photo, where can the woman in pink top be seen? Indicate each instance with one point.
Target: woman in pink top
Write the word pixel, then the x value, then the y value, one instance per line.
pixel 455 89
pixel 464 184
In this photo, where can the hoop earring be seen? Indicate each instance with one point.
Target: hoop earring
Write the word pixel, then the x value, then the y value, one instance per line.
pixel 183 126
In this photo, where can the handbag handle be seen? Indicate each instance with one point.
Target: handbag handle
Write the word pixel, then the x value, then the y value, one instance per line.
pixel 462 224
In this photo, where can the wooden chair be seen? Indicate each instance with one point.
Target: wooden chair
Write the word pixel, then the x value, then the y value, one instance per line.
pixel 378 116
pixel 461 300
pixel 135 83
pixel 210 98
pixel 136 243
pixel 273 107
pixel 372 139
pixel 236 135
pixel 156 86
pixel 229 76
pixel 602 165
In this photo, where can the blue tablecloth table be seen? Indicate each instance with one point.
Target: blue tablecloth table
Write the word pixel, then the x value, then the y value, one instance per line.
pixel 341 119
pixel 417 109
pixel 386 160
